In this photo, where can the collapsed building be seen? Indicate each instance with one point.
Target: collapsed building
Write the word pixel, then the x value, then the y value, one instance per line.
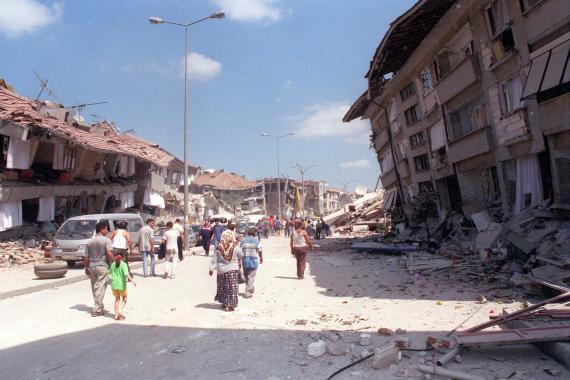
pixel 56 166
pixel 469 101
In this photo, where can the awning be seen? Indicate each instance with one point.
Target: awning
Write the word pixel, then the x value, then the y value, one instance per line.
pixel 549 67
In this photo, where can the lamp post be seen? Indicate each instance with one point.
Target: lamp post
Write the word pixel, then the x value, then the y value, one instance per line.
pixel 277 138
pixel 155 21
pixel 302 171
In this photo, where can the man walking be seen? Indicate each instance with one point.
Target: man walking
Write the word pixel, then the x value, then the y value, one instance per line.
pixel 206 233
pixel 180 241
pixel 217 231
pixel 251 248
pixel 96 262
pixel 170 239
pixel 146 235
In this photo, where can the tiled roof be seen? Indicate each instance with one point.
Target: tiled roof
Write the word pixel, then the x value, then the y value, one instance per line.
pixel 223 181
pixel 22 111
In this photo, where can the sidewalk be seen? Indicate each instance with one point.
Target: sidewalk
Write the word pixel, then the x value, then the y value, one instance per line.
pixel 22 280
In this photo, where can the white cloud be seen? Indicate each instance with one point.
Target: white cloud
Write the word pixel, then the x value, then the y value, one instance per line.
pixel 358 164
pixel 250 10
pixel 325 120
pixel 201 67
pixel 19 17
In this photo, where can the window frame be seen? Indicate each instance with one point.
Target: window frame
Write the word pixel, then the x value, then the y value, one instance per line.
pixel 417 140
pixel 424 75
pixel 421 163
pixel 408 91
pixel 408 115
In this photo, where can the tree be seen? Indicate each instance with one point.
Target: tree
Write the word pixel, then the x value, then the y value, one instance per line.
pixel 424 208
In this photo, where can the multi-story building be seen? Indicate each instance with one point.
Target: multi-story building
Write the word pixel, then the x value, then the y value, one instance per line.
pixel 470 99
pixel 331 202
pixel 55 166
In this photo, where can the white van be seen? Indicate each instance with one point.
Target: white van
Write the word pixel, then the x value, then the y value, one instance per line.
pixel 72 237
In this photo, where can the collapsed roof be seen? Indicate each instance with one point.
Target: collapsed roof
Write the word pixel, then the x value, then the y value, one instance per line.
pixel 221 180
pixel 24 113
pixel 399 42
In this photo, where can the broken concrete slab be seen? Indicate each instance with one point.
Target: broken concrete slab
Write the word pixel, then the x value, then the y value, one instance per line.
pixel 386 355
pixel 482 220
pixel 550 273
pixel 489 237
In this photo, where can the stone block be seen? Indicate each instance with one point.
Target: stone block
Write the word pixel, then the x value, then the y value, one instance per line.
pixel 317 348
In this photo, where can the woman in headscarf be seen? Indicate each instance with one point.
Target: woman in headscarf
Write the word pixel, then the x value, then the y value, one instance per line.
pixel 225 262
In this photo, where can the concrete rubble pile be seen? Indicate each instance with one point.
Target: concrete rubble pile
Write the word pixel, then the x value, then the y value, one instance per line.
pixel 525 256
pixel 360 217
pixel 23 249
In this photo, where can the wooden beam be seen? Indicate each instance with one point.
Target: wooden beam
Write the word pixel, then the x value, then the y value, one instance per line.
pixel 513 336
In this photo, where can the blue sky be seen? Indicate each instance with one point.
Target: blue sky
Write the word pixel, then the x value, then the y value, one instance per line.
pixel 271 66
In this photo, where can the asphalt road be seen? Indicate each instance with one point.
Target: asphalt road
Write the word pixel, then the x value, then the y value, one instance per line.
pixel 175 330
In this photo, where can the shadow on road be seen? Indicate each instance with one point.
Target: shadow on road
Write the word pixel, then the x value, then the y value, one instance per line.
pixel 344 272
pixel 245 351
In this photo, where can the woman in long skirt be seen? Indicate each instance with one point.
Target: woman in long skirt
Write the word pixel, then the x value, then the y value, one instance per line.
pixel 225 262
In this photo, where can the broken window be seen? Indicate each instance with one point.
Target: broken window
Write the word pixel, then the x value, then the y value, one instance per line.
pixel 442 65
pixel 421 162
pixel 417 140
pixel 497 17
pixel 408 91
pixel 510 92
pixel 427 83
pixel 468 118
pixel 386 162
pixel 490 180
pixel 426 187
pixel 411 114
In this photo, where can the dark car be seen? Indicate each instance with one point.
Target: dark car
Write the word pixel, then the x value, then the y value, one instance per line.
pixel 196 229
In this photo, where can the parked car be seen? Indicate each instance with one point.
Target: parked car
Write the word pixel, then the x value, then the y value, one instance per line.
pixel 196 229
pixel 72 237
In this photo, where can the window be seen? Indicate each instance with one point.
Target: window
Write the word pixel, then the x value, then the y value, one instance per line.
pixel 426 187
pixel 425 77
pixel 421 162
pixel 468 118
pixel 527 4
pixel 510 92
pixel 497 17
pixel 417 140
pixel 408 91
pixel 412 114
pixel 491 188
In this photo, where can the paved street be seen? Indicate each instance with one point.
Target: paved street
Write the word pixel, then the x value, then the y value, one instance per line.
pixel 50 334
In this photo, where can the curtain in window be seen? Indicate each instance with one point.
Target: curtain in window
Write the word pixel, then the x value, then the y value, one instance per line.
pixel 529 185
pixel 47 209
pixel 20 154
pixel 10 214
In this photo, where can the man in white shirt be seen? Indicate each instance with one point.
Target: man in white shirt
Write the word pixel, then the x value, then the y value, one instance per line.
pixel 170 239
pixel 178 227
pixel 146 236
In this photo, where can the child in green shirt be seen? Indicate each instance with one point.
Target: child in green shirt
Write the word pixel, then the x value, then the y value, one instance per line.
pixel 119 272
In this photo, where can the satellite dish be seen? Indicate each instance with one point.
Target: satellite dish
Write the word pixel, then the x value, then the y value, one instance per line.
pixel 361 190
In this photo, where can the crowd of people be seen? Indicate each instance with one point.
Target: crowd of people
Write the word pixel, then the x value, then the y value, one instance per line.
pixel 235 259
pixel 274 226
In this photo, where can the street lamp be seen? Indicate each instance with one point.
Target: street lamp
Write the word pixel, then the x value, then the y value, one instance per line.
pixel 303 170
pixel 155 21
pixel 277 138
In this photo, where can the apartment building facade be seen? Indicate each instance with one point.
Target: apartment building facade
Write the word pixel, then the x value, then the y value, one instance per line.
pixel 469 101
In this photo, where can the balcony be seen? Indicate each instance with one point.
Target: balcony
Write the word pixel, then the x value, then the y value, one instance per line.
pixel 463 75
pixel 470 145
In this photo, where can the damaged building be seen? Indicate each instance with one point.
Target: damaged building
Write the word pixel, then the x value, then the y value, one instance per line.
pixel 469 101
pixel 56 166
